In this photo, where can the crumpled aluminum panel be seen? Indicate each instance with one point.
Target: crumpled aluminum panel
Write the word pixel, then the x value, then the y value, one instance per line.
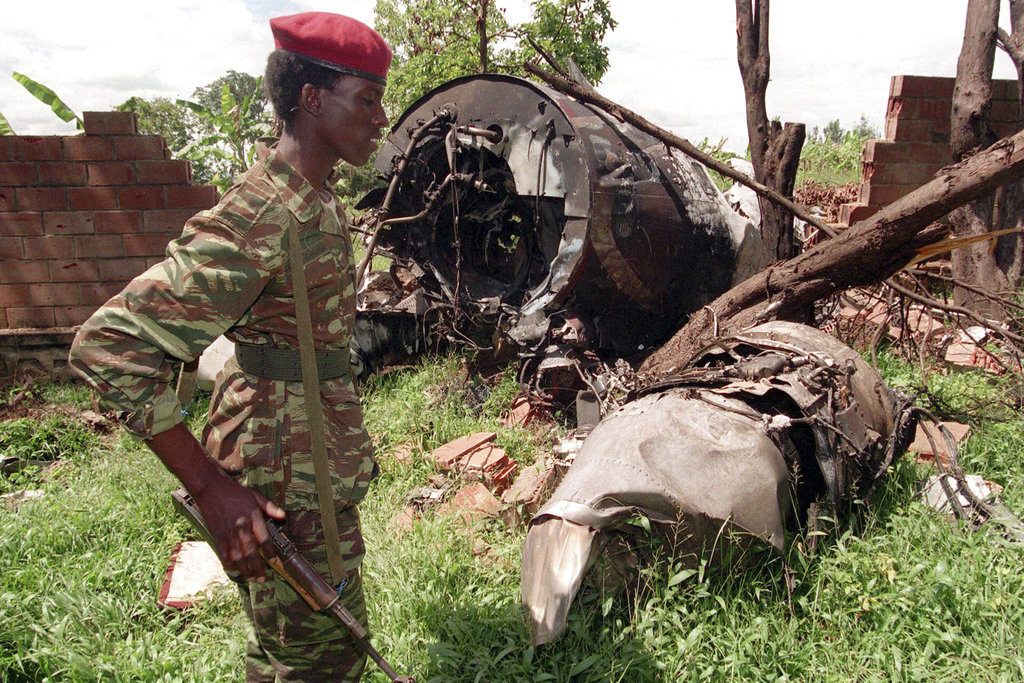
pixel 753 431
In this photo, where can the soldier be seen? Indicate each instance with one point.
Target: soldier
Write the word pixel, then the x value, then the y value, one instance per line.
pixel 230 272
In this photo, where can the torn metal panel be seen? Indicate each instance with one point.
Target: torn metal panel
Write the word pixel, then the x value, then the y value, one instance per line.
pixel 530 204
pixel 759 430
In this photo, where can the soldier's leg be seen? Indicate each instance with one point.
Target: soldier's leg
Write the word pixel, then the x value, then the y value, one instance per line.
pixel 296 643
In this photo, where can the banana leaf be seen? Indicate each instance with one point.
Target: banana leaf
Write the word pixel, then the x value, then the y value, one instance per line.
pixel 49 98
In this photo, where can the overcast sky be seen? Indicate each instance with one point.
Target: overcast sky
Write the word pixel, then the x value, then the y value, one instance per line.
pixel 672 60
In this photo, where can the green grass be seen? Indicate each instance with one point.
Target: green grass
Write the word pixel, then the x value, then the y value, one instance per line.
pixel 908 597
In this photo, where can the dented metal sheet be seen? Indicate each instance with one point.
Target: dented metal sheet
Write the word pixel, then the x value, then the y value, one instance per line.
pixel 754 435
pixel 537 205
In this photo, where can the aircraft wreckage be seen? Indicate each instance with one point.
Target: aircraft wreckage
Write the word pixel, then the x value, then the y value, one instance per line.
pixel 518 215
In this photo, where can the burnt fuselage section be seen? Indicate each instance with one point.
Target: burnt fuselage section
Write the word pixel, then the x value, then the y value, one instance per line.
pixel 530 205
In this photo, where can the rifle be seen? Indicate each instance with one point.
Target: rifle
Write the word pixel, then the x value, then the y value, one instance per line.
pixel 280 553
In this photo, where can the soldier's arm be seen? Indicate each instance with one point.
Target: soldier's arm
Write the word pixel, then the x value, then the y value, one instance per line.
pixel 127 350
pixel 233 513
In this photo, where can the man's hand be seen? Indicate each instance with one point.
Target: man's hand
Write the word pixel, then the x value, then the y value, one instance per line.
pixel 235 515
pixel 235 518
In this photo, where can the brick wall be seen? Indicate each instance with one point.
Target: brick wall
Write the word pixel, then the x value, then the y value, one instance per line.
pixel 80 216
pixel 916 143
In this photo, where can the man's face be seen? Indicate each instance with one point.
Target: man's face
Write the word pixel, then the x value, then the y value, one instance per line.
pixel 352 118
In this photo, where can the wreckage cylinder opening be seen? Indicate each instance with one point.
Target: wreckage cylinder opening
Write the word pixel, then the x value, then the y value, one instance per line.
pixel 482 240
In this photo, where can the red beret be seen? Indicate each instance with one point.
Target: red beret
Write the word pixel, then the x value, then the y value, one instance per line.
pixel 334 41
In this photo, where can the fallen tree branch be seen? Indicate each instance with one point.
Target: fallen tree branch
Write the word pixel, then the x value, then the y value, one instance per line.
pixel 1004 301
pixel 870 251
pixel 957 310
pixel 590 96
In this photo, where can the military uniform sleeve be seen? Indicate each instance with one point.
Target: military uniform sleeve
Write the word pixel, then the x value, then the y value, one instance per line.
pixel 211 275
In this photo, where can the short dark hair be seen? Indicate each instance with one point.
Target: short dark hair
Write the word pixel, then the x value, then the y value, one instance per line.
pixel 285 76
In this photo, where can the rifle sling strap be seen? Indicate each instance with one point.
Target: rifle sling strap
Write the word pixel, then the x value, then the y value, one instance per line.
pixel 314 409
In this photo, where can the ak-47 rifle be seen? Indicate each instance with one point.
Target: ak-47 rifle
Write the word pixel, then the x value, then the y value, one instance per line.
pixel 282 556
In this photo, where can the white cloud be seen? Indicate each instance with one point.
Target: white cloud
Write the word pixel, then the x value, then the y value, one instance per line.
pixel 672 60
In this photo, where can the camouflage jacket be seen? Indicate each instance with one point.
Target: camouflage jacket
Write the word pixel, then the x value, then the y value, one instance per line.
pixel 228 274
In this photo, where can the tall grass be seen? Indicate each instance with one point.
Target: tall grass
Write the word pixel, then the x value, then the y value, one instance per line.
pixel 908 597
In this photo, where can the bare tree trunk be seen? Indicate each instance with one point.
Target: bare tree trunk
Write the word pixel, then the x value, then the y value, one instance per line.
pixel 481 30
pixel 870 251
pixel 1009 201
pixel 774 150
pixel 969 130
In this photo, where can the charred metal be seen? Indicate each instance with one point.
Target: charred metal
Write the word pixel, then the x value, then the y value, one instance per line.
pixel 524 208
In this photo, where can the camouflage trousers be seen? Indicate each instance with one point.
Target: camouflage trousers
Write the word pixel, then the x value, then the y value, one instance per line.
pixel 290 642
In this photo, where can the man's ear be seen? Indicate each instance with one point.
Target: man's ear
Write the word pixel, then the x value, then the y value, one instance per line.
pixel 309 99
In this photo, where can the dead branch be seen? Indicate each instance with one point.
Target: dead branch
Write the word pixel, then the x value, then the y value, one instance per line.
pixel 1002 300
pixel 957 310
pixel 590 96
pixel 873 249
pixel 774 149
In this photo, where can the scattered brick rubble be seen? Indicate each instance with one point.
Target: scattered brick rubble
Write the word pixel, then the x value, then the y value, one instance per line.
pixel 477 479
pixel 940 452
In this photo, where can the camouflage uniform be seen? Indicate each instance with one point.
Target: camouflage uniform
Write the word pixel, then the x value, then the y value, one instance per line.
pixel 228 273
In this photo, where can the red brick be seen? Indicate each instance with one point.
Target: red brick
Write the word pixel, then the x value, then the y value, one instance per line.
pixel 92 198
pixel 10 248
pixel 935 110
pixel 18 173
pixel 49 294
pixel 96 294
pixel 109 123
pixel 903 107
pixel 76 270
pixel 903 174
pixel 49 247
pixel 14 295
pixel 98 246
pixel 140 197
pixel 6 199
pixel 3 319
pixel 880 195
pixel 916 130
pixel 42 198
pixel 153 260
pixel 854 213
pixel 1003 89
pixel 169 220
pixel 1005 129
pixel 14 223
pixel 69 316
pixel 120 269
pixel 36 148
pixel 191 196
pixel 6 147
pixel 88 148
pixel 138 147
pixel 472 503
pixel 68 222
pixel 61 173
pixel 164 172
pixel 447 455
pixel 885 151
pixel 24 272
pixel 936 153
pixel 1005 111
pixel 921 86
pixel 144 245
pixel 34 317
pixel 110 173
pixel 117 222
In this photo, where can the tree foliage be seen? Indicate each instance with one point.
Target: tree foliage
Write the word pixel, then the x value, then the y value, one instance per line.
pixel 437 40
